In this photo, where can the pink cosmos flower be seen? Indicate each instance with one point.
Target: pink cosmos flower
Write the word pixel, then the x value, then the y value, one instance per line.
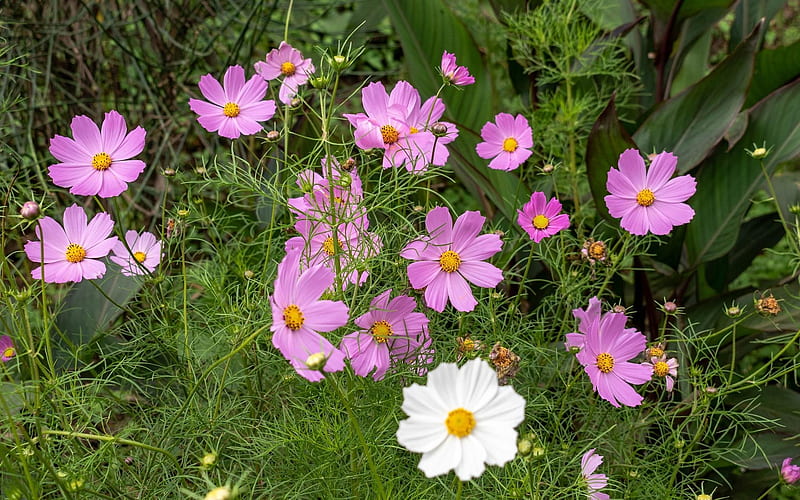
pixel 452 73
pixel 508 142
pixel 541 218
pixel 298 315
pixel 789 472
pixel 594 482
pixel 7 350
pixel 315 203
pixel 236 108
pixel 607 348
pixel 391 331
pixel 97 161
pixel 426 118
pixel 386 126
pixel 666 368
pixel 592 314
pixel 648 201
pixel 450 257
pixel 72 252
pixel 288 62
pixel 143 257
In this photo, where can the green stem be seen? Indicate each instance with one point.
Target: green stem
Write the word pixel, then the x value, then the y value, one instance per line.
pixel 774 196
pixel 286 25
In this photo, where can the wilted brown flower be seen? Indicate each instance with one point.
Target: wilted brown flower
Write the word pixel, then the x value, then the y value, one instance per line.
pixel 594 250
pixel 505 362
pixel 768 305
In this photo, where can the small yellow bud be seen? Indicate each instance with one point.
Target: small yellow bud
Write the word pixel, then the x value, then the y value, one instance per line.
pixel 316 361
pixel 221 493
pixel 208 460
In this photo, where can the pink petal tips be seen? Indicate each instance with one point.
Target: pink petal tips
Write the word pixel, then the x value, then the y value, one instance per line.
pixel 237 107
pixel 648 201
pixel 98 160
pixel 451 257
pixel 72 252
pixel 507 142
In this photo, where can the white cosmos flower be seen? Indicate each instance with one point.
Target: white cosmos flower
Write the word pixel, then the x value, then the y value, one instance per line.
pixel 461 419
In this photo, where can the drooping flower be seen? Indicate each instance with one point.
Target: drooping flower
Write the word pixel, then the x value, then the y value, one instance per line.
pixel 142 258
pixel 461 420
pixel 507 141
pixel 298 315
pixel 607 348
pixel 454 74
pixel 385 125
pixel 541 218
pixel 594 482
pixel 98 161
pixel 664 368
pixel 7 350
pixel 288 63
pixel 452 256
pixel 391 332
pixel 315 203
pixel 789 472
pixel 72 252
pixel 648 200
pixel 235 108
pixel 426 118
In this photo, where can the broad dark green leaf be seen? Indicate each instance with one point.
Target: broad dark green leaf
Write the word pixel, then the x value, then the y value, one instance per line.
pixel 607 140
pixel 727 180
pixel 748 13
pixel 774 69
pixel 693 122
pixel 787 189
pixel 426 28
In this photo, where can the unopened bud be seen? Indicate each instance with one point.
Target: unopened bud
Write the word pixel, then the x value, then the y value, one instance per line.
pixel 759 153
pixel 670 307
pixel 316 361
pixel 318 82
pixel 273 135
pixel 128 460
pixel 439 129
pixel 345 180
pixel 183 212
pixel 169 172
pixel 704 496
pixel 295 102
pixel 548 168
pixel 200 170
pixel 339 62
pixel 208 460
pixel 249 274
pixel 221 493
pixel 618 309
pixel 524 447
pixel 29 210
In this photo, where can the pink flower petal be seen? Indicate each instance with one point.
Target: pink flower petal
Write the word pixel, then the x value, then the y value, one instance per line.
pixel 86 133
pixel 459 292
pixel 631 166
pixel 233 81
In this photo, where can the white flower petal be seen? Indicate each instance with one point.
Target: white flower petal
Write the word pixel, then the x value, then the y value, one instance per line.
pixel 420 436
pixel 506 409
pixel 424 403
pixel 442 458
pixel 444 380
pixel 499 442
pixel 477 384
pixel 473 455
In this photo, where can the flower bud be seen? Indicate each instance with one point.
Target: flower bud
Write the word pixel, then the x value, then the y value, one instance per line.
pixel 670 307
pixel 316 361
pixel 704 496
pixel 345 180
pixel 200 170
pixel 29 210
pixel 208 460
pixel 169 172
pixel 221 493
pixel 273 135
pixel 248 274
pixel 524 447
pixel 439 129
pixel 349 164
pixel 339 62
pixel 295 102
pixel 548 168
pixel 759 153
pixel 318 82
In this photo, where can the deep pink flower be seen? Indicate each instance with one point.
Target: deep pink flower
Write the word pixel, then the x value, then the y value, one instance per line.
pixel 298 315
pixel 450 257
pixel 386 126
pixel 648 201
pixel 607 348
pixel 666 368
pixel 594 482
pixel 97 162
pixel 452 73
pixel 236 108
pixel 72 252
pixel 143 257
pixel 592 314
pixel 391 332
pixel 7 350
pixel 541 218
pixel 508 142
pixel 789 472
pixel 288 62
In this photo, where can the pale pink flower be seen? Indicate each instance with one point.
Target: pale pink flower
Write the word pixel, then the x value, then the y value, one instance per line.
pixel 452 73
pixel 647 200
pixel 541 218
pixel 594 482
pixel 391 332
pixel 288 63
pixel 508 142
pixel 789 472
pixel 98 161
pixel 142 258
pixel 452 256
pixel 72 252
pixel 315 203
pixel 235 108
pixel 298 315
pixel 665 368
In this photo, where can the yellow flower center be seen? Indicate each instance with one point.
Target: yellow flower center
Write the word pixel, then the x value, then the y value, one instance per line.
pixel 645 197
pixel 605 362
pixel 450 261
pixel 597 250
pixel 9 352
pixel 390 134
pixel 139 256
pixel 510 145
pixel 231 110
pixel 101 161
pixel 75 253
pixel 288 68
pixel 327 246
pixel 413 130
pixel 293 317
pixel 468 345
pixel 460 422
pixel 541 222
pixel 661 369
pixel 655 352
pixel 381 331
